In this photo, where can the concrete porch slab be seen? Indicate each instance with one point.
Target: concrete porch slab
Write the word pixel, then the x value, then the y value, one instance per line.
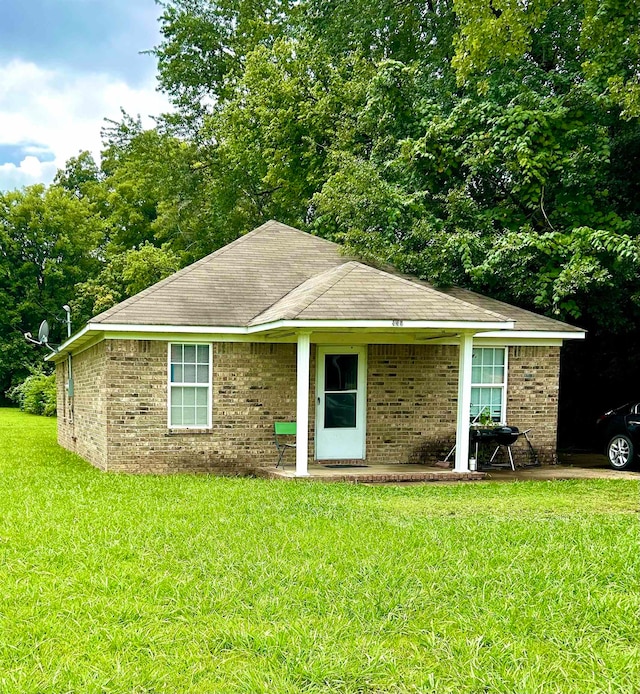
pixel 372 474
pixel 571 467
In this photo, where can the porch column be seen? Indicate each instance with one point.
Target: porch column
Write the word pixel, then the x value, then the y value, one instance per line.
pixel 464 403
pixel 302 404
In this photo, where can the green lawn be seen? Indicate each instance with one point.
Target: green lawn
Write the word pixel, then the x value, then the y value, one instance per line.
pixel 197 584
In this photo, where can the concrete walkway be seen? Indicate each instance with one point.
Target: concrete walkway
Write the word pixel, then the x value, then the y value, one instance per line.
pixel 579 468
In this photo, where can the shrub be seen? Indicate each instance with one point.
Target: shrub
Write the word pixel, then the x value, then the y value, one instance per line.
pixel 36 394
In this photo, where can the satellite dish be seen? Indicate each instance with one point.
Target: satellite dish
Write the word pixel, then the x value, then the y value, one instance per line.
pixel 43 332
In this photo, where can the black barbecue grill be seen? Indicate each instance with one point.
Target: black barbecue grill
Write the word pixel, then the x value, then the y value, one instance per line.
pixel 500 437
pixel 506 436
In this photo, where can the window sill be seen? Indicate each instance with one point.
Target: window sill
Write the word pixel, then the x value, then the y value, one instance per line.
pixel 195 431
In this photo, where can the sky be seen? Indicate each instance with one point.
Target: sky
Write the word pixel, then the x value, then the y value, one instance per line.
pixel 65 66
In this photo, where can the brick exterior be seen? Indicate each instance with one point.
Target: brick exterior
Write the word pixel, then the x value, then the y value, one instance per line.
pixel 121 405
pixel 253 384
pixel 86 434
pixel 532 398
pixel 412 395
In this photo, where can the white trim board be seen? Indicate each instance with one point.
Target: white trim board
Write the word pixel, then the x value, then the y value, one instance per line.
pixel 209 386
pixel 394 325
pixel 355 437
pixel 380 330
pixel 534 334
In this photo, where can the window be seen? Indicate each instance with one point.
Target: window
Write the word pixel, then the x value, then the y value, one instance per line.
pixel 488 383
pixel 189 386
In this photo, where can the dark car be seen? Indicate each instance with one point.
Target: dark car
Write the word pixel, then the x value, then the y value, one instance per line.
pixel 619 434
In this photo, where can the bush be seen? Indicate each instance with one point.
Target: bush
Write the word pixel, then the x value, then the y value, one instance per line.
pixel 36 394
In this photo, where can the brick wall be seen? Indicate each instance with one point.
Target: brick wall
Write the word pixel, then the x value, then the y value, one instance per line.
pixel 253 385
pixel 412 401
pixel 532 398
pixel 85 433
pixel 121 405
pixel 412 395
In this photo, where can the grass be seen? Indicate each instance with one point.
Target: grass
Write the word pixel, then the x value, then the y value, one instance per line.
pixel 198 584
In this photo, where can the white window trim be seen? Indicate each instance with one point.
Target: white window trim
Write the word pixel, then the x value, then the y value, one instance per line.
pixel 201 385
pixel 503 418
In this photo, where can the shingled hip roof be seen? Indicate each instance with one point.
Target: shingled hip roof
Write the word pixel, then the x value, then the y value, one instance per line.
pixel 278 273
pixel 354 291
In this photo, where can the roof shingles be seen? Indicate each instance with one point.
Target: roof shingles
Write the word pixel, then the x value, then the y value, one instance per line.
pixel 277 272
pixel 355 291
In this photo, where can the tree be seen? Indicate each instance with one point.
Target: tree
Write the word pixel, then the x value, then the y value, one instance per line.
pixel 204 47
pixel 80 176
pixel 604 36
pixel 48 239
pixel 124 275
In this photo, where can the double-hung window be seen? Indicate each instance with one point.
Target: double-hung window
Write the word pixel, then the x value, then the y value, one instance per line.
pixel 488 383
pixel 189 386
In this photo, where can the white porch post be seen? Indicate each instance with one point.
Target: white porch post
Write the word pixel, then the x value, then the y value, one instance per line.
pixel 302 404
pixel 464 403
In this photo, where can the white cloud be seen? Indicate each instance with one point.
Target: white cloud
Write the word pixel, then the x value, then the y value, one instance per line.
pixel 63 112
pixel 30 170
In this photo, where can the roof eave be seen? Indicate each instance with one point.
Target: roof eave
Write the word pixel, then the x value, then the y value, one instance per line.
pixel 93 332
pixel 386 324
pixel 546 334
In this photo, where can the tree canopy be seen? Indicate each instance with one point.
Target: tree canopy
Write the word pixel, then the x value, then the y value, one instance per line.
pixel 493 145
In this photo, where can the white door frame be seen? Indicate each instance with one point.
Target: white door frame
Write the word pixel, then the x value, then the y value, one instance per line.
pixel 361 396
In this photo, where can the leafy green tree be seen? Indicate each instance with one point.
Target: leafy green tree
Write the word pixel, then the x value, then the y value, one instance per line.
pixel 269 146
pixel 124 275
pixel 469 188
pixel 604 36
pixel 611 37
pixel 48 239
pixel 36 394
pixel 204 47
pixel 382 29
pixel 81 176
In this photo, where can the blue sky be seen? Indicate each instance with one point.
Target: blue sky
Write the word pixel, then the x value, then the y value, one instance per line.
pixel 65 65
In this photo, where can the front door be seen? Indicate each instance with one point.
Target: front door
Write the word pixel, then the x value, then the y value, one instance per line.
pixel 341 380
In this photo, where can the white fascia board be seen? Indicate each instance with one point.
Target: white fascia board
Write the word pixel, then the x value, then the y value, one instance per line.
pixel 306 325
pixel 177 329
pixel 64 347
pixel 534 334
pixel 395 325
pixel 515 342
pixel 385 324
pixel 141 330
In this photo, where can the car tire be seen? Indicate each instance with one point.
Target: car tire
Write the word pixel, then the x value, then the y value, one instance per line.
pixel 621 452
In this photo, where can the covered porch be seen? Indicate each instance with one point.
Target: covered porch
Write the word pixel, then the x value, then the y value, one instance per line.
pixel 323 448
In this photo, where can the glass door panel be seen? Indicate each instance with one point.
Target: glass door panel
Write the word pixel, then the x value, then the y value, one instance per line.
pixel 340 390
pixel 340 417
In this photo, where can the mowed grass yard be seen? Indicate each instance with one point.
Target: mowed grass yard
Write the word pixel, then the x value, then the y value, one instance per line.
pixel 176 584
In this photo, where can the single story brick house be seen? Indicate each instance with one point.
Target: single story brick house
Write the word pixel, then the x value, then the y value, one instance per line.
pixel 374 366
